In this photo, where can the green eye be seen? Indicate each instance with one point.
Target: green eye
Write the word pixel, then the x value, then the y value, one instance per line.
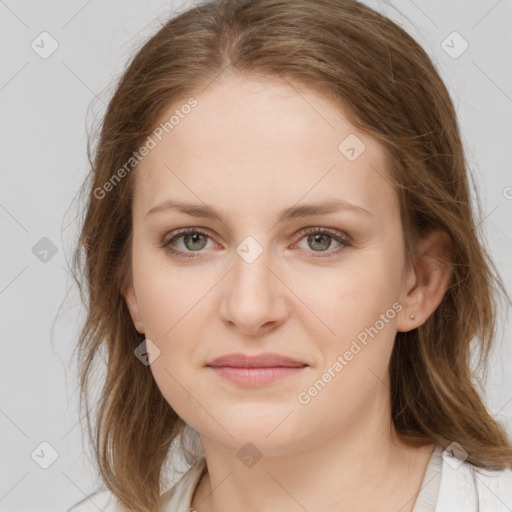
pixel 319 240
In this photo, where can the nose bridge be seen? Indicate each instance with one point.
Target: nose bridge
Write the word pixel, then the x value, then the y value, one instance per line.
pixel 252 296
pixel 251 277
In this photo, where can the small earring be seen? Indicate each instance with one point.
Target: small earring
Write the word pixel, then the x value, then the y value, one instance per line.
pixel 413 316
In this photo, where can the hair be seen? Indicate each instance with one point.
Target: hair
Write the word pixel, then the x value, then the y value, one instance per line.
pixel 388 88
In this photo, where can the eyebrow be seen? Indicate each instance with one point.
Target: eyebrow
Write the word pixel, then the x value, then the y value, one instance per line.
pixel 293 212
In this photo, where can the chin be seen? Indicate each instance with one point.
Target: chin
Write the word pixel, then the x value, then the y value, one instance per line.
pixel 270 438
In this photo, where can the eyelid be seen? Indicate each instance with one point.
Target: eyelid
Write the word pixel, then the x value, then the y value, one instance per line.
pixel 335 233
pixel 185 231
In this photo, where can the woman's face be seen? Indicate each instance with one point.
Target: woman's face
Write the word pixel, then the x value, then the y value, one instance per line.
pixel 271 163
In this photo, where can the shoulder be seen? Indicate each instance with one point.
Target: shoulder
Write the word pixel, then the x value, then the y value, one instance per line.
pixel 465 487
pixel 179 497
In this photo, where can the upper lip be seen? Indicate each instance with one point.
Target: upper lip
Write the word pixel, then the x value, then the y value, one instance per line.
pixel 260 361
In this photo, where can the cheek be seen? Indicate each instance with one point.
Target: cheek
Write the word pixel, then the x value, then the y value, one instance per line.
pixel 173 328
pixel 172 306
pixel 351 296
pixel 359 304
pixel 165 293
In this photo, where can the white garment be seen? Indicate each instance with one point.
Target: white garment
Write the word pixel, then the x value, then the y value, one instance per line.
pixel 462 487
pixel 429 489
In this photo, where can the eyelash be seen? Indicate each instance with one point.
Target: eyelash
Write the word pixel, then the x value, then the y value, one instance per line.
pixel 344 240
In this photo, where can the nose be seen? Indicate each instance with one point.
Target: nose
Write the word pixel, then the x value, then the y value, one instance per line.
pixel 254 297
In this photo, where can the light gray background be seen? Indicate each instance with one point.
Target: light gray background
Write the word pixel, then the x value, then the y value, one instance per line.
pixel 46 104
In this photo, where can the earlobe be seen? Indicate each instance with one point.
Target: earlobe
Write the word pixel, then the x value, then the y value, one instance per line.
pixel 427 283
pixel 130 298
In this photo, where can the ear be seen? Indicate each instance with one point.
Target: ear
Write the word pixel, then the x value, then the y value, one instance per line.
pixel 128 292
pixel 426 285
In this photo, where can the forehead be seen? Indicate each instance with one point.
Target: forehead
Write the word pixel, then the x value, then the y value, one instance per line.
pixel 253 143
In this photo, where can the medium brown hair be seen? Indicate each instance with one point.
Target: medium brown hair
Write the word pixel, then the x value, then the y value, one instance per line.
pixel 388 88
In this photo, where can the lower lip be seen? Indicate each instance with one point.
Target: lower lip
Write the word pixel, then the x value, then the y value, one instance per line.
pixel 255 376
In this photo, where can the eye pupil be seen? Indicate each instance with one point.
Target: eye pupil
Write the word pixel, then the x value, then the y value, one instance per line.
pixel 194 237
pixel 318 237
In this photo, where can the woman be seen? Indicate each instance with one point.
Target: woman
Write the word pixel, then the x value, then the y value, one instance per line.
pixel 280 255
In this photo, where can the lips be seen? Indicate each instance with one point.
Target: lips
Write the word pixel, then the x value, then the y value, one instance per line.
pixel 267 360
pixel 255 371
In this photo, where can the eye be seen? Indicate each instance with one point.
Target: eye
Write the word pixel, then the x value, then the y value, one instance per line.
pixel 318 239
pixel 194 240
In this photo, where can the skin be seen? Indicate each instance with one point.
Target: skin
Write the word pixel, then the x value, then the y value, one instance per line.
pixel 250 148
